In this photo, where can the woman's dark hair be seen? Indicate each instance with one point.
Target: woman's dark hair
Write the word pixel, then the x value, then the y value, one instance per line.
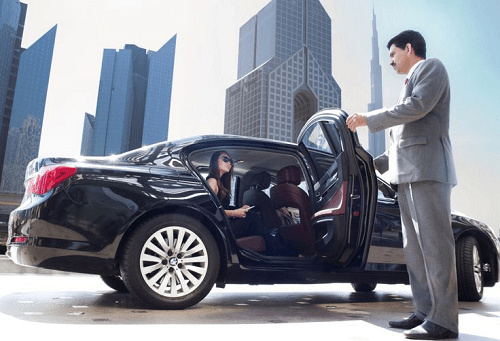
pixel 224 181
pixel 414 38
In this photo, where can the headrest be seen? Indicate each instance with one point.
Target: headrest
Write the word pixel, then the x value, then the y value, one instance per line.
pixel 261 180
pixel 289 175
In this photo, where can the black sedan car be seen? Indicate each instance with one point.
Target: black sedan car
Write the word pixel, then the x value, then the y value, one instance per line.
pixel 147 221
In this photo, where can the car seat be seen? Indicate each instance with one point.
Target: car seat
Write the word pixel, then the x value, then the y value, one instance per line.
pixel 286 194
pixel 256 197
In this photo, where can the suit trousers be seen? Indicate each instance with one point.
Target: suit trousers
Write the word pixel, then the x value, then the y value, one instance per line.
pixel 429 248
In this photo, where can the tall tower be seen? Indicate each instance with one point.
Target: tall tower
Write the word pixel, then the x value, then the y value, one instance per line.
pixel 284 71
pixel 28 110
pixel 133 104
pixel 157 112
pixel 88 133
pixel 115 101
pixel 12 18
pixel 376 141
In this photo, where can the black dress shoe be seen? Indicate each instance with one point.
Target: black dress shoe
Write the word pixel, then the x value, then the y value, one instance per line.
pixel 407 323
pixel 430 331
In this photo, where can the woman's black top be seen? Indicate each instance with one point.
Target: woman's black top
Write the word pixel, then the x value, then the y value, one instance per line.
pixel 227 199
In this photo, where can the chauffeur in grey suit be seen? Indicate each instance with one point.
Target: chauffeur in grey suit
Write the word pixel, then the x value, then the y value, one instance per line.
pixel 420 162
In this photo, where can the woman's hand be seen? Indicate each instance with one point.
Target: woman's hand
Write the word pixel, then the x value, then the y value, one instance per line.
pixel 240 212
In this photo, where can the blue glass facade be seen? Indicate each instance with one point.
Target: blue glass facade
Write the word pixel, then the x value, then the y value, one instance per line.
pixel 133 103
pixel 12 17
pixel 114 103
pixel 157 112
pixel 284 70
pixel 10 11
pixel 88 133
pixel 103 102
pixel 28 109
pixel 140 74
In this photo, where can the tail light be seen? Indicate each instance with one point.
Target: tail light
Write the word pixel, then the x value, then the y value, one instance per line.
pixel 49 178
pixel 19 240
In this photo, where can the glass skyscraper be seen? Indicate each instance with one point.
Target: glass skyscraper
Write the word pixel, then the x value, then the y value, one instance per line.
pixel 12 18
pixel 157 112
pixel 88 133
pixel 376 141
pixel 28 109
pixel 133 104
pixel 284 71
pixel 114 103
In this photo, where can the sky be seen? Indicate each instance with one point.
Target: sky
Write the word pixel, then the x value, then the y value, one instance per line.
pixel 463 34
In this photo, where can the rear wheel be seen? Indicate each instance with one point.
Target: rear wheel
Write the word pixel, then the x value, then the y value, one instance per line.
pixel 170 262
pixel 364 287
pixel 469 269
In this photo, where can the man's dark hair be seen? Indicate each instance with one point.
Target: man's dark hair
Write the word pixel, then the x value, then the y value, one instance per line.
pixel 414 38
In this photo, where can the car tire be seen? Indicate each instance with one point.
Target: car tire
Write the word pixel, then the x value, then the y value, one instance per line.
pixel 469 269
pixel 115 282
pixel 170 262
pixel 364 287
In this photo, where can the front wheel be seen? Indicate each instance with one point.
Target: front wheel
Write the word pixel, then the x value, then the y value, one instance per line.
pixel 170 262
pixel 364 287
pixel 115 282
pixel 469 269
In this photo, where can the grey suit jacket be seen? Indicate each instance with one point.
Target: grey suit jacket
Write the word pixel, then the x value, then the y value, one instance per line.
pixel 420 146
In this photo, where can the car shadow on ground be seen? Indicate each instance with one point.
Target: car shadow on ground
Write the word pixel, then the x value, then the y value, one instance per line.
pixel 219 307
pixel 236 306
pixel 363 316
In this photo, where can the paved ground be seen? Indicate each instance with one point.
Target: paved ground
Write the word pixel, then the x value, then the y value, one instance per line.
pixel 74 307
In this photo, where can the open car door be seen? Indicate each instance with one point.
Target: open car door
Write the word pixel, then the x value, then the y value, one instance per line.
pixel 345 188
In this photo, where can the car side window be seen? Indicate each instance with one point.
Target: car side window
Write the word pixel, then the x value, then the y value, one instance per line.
pixel 318 146
pixel 315 139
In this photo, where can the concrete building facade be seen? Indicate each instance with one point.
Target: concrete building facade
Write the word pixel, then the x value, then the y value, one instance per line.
pixel 284 71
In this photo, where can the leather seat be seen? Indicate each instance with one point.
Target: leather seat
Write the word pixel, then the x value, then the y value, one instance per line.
pixel 286 193
pixel 256 197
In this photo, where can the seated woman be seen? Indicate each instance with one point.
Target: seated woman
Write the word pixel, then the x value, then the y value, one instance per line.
pixel 244 222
